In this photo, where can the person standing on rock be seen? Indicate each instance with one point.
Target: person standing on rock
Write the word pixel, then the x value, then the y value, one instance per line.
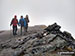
pixel 14 22
pixel 22 23
pixel 27 21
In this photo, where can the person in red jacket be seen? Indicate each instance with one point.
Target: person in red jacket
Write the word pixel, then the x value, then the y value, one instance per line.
pixel 14 22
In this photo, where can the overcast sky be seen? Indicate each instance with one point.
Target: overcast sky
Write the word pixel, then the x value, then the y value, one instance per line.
pixel 40 12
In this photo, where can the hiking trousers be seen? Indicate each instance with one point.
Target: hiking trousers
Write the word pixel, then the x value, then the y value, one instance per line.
pixel 26 27
pixel 14 30
pixel 23 30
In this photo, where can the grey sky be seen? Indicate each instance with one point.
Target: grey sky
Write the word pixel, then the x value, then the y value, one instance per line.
pixel 40 12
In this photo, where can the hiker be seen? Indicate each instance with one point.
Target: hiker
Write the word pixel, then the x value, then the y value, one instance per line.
pixel 14 22
pixel 27 21
pixel 22 23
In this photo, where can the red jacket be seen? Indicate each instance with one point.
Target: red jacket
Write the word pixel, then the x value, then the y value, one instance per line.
pixel 14 22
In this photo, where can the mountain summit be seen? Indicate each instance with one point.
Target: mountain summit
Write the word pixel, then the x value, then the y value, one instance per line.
pixel 39 41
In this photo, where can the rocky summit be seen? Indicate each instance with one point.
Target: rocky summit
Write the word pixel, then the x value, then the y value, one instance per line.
pixel 49 41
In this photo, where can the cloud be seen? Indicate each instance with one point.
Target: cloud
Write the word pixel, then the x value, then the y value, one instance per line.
pixel 40 12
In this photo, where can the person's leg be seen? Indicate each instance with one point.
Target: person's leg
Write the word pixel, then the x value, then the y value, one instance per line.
pixel 24 30
pixel 13 30
pixel 26 27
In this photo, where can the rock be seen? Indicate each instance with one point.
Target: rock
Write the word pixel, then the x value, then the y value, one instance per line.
pixel 26 55
pixel 7 52
pixel 59 42
pixel 68 35
pixel 39 42
pixel 29 37
pixel 53 27
pixel 18 52
pixel 49 38
pixel 0 46
pixel 41 49
pixel 5 45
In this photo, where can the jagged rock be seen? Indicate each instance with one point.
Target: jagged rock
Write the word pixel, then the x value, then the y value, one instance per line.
pixel 0 46
pixel 68 35
pixel 41 49
pixel 7 52
pixel 53 27
pixel 18 52
pixel 4 45
pixel 33 36
pixel 26 55
pixel 47 40
pixel 38 42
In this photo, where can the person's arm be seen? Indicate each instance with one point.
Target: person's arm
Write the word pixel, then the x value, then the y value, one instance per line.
pixel 11 22
pixel 17 21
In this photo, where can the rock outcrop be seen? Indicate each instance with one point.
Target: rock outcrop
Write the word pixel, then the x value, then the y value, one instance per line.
pixel 49 40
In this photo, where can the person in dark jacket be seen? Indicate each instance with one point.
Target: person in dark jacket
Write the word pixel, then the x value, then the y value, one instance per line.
pixel 22 23
pixel 27 21
pixel 14 22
